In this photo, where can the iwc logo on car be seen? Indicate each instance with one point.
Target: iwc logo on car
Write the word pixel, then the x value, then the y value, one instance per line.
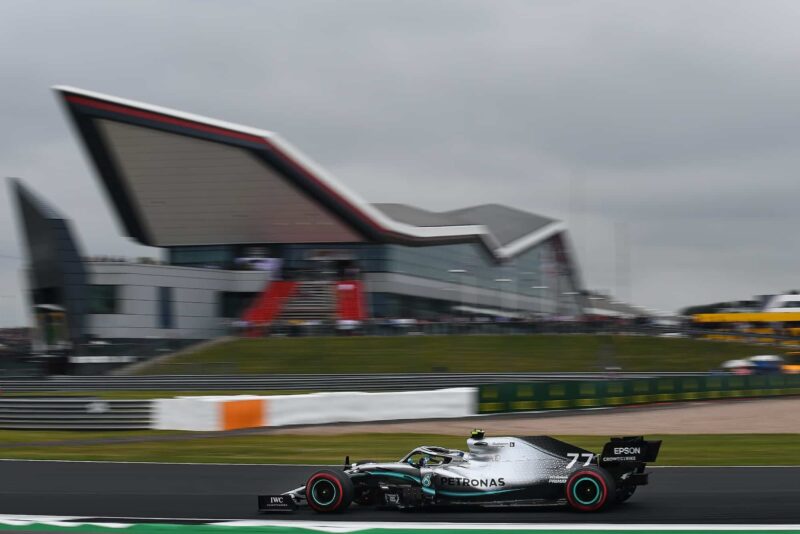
pixel 426 480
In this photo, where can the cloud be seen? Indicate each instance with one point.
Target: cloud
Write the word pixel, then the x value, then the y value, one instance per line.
pixel 677 120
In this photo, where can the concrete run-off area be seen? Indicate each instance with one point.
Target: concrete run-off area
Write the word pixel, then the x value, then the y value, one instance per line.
pixel 767 416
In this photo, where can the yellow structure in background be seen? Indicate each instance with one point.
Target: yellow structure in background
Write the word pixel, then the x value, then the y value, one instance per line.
pixel 792 365
pixel 755 317
pixel 731 326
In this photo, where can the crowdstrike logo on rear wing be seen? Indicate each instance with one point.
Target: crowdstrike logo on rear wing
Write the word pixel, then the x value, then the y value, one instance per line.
pixel 628 454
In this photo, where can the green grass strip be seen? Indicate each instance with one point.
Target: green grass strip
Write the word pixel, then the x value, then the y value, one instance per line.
pixel 706 449
pixel 43 436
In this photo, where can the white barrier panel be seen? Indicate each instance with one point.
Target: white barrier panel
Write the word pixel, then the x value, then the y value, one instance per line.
pixel 185 413
pixel 209 413
pixel 248 411
pixel 320 408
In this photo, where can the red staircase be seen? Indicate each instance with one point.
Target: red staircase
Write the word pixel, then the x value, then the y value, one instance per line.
pixel 269 303
pixel 350 301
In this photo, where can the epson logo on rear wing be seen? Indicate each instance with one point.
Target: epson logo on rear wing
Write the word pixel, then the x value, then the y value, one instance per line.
pixel 630 449
pixel 620 451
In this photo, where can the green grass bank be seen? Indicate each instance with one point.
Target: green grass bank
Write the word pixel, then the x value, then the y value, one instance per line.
pixel 457 353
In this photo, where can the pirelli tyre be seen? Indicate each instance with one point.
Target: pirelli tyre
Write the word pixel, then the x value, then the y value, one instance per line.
pixel 591 489
pixel 329 491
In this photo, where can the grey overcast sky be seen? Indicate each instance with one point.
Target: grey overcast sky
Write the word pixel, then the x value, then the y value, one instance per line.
pixel 672 125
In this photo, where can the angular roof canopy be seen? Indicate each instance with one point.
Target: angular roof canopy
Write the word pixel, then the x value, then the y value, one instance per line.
pixel 507 225
pixel 182 179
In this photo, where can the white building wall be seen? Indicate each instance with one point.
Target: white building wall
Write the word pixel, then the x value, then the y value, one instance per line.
pixel 195 299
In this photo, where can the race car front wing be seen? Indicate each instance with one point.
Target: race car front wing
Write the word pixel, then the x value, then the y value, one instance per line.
pixel 276 503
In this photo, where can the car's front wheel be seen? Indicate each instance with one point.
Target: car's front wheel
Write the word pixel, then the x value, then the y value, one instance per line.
pixel 329 491
pixel 590 489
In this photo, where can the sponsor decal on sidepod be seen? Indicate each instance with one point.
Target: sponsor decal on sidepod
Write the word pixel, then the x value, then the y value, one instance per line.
pixel 472 482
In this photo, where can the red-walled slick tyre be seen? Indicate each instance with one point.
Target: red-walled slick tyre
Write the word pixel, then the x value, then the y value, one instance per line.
pixel 590 489
pixel 329 491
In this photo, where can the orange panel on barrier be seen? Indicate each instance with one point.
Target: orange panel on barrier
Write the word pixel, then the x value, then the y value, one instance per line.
pixel 243 414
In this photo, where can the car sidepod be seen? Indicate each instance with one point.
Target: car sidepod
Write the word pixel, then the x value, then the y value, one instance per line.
pixel 506 471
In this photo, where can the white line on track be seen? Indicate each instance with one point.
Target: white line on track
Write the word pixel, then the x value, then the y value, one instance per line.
pixel 354 526
pixel 341 526
pixel 723 466
pixel 24 517
pixel 123 462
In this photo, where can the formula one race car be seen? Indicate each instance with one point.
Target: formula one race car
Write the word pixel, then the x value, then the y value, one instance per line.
pixel 507 471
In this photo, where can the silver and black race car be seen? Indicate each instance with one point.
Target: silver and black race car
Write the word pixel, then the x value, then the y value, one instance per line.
pixel 502 471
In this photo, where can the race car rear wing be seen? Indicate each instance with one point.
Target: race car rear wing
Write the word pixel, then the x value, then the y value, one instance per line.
pixel 630 449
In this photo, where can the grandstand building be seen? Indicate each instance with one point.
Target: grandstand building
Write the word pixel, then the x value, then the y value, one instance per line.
pixel 254 232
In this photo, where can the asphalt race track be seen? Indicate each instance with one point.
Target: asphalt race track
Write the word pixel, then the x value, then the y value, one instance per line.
pixel 174 491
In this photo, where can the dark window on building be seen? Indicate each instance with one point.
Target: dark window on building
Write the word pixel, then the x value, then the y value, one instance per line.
pixel 102 299
pixel 165 307
pixel 201 256
pixel 47 295
pixel 231 305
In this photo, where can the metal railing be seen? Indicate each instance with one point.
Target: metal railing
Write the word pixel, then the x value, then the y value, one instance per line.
pixel 313 382
pixel 74 414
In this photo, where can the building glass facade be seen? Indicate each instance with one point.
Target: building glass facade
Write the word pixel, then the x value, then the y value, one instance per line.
pixel 538 281
pixel 220 256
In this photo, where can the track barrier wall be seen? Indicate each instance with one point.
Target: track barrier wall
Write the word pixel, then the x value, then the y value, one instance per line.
pixel 74 413
pixel 576 394
pixel 204 413
pixel 237 412
pixel 216 413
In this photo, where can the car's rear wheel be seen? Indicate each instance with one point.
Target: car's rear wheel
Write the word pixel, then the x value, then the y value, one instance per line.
pixel 329 491
pixel 590 489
